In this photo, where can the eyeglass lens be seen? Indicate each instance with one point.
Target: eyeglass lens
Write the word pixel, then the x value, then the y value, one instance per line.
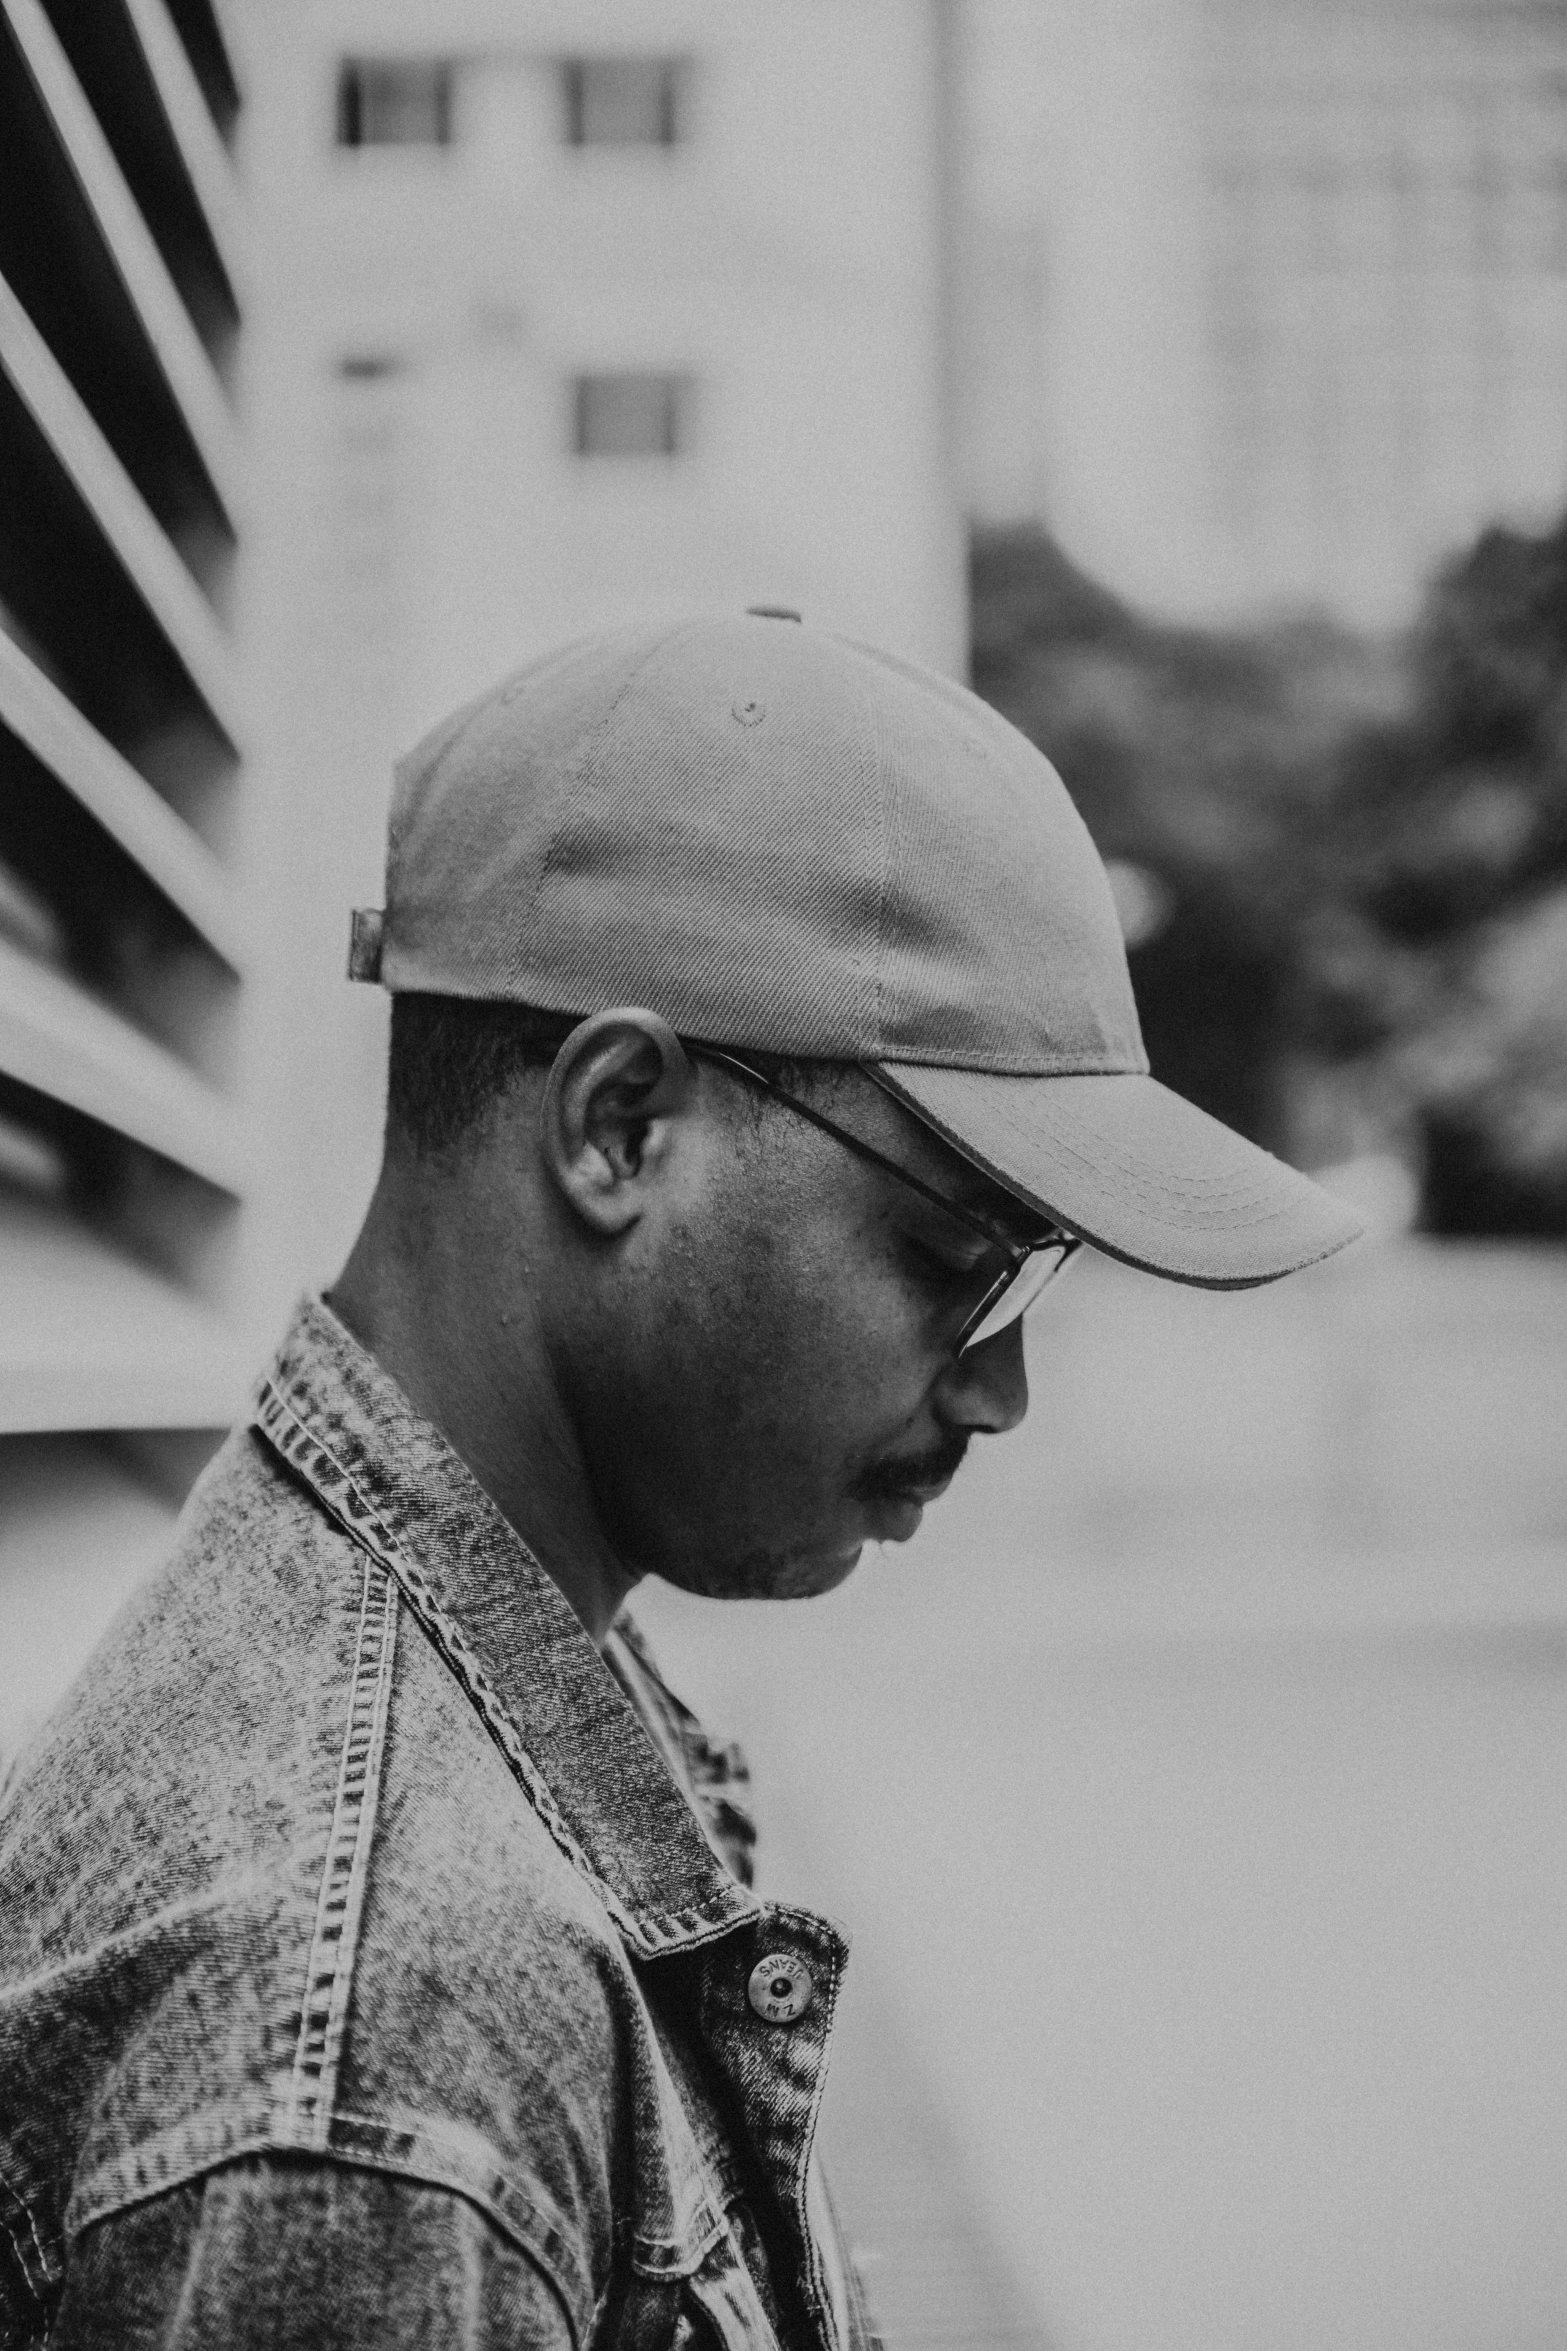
pixel 1037 1271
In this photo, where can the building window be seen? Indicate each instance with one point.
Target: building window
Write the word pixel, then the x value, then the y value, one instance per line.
pixel 632 415
pixel 622 101
pixel 368 367
pixel 394 102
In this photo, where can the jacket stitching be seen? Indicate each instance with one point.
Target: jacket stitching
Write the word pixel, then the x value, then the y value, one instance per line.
pixel 815 2265
pixel 686 2253
pixel 307 1453
pixel 359 2143
pixel 329 1968
pixel 48 2270
pixel 547 2243
pixel 734 2293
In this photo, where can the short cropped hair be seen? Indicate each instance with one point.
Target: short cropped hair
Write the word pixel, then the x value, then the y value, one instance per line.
pixel 454 1057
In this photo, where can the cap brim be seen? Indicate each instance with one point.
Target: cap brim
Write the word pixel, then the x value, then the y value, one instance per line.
pixel 1142 1174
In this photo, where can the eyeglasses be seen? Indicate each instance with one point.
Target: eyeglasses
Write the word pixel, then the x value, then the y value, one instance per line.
pixel 1030 1265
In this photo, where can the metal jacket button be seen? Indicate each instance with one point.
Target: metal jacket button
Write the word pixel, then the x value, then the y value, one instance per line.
pixel 780 1988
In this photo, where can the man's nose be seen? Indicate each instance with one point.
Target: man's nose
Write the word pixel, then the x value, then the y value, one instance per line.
pixel 986 1389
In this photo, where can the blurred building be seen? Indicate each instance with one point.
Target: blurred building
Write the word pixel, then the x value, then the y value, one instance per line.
pixel 122 723
pixel 568 317
pixel 1302 276
pixel 553 318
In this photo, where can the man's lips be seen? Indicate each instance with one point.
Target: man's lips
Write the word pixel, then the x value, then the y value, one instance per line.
pixel 919 1480
pixel 927 1489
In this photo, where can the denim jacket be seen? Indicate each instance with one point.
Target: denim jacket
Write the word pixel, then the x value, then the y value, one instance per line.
pixel 368 1974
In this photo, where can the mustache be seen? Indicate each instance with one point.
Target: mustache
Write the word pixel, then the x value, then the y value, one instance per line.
pixel 889 1481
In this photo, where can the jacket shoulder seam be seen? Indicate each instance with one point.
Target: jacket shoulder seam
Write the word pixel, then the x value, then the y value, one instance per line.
pixel 311 2086
pixel 338 1494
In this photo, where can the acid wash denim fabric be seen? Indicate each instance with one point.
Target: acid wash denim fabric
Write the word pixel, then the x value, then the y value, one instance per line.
pixel 366 1976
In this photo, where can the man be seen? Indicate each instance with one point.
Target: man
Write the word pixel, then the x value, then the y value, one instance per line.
pixel 379 1964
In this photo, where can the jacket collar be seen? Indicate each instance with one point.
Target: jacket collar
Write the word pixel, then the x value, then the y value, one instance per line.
pixel 572 1739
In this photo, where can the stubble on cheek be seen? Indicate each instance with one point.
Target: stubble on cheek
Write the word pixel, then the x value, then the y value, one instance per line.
pixel 768 1453
pixel 832 1403
pixel 745 1431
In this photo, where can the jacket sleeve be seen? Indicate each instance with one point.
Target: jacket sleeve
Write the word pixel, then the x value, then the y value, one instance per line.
pixel 281 2253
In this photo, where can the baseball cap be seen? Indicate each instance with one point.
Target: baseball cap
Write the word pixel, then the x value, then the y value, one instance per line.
pixel 783 839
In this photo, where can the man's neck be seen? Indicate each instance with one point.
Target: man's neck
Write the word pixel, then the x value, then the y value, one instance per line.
pixel 485 1382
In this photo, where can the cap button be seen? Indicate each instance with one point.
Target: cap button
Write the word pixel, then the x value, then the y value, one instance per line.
pixel 780 1987
pixel 771 612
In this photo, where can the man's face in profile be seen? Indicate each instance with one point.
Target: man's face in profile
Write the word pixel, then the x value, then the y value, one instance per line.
pixel 772 1382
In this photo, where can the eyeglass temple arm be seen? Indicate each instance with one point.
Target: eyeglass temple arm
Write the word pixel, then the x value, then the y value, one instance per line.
pixel 1016 1250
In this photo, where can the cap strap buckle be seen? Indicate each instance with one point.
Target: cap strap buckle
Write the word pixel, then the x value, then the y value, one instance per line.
pixel 364 943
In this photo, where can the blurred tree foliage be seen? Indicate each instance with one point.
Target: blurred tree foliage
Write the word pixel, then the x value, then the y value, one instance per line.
pixel 1364 849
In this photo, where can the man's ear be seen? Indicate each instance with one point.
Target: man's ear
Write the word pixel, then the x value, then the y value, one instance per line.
pixel 605 1123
